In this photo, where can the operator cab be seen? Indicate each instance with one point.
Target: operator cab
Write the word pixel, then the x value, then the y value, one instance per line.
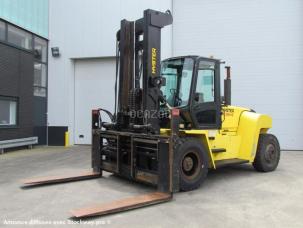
pixel 193 86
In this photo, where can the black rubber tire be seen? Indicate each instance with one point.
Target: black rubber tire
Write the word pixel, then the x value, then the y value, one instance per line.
pixel 268 153
pixel 193 148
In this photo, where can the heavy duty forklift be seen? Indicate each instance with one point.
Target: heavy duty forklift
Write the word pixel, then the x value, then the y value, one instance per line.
pixel 170 124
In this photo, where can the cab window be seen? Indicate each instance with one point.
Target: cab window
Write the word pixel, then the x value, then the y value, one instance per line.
pixel 205 83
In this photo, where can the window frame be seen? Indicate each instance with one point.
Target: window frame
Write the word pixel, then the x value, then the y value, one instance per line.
pixel 24 32
pixel 42 75
pixel 40 61
pixel 213 82
pixel 39 87
pixel 192 58
pixel 13 99
pixel 7 23
pixel 216 105
pixel 35 39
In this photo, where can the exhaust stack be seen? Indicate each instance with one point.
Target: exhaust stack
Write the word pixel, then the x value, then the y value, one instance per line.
pixel 227 87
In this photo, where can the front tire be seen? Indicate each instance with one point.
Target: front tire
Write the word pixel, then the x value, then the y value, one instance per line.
pixel 268 153
pixel 191 160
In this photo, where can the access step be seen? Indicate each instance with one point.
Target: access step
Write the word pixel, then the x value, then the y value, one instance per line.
pixel 218 150
pixel 61 179
pixel 122 205
pixel 227 162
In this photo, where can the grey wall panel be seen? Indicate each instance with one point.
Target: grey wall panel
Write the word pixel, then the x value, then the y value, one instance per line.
pixel 9 68
pixel 39 118
pixel 263 42
pixel 26 92
pixel 16 80
pixel 39 115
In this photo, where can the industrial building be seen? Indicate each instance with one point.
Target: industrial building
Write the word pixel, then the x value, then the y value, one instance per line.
pixel 261 40
pixel 23 70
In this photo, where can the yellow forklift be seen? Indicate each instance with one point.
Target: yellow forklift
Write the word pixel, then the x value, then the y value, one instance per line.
pixel 170 124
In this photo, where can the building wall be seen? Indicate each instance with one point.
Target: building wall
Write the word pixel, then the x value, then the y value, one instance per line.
pixel 22 39
pixel 263 42
pixel 87 29
pixel 29 14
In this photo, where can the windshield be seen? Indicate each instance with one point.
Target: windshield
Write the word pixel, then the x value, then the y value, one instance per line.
pixel 178 75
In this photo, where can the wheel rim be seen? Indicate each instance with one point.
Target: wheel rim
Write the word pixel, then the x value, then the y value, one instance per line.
pixel 191 165
pixel 270 154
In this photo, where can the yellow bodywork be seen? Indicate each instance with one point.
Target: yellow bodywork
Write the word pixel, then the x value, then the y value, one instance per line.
pixel 239 134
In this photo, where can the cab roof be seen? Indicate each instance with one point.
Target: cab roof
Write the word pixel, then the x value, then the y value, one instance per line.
pixel 189 56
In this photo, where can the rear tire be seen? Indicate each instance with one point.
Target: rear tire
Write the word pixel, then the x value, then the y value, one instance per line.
pixel 268 153
pixel 191 159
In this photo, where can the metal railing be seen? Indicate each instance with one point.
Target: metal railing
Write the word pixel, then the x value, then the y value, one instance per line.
pixel 30 141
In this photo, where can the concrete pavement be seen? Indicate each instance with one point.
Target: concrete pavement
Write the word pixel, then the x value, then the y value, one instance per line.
pixel 235 196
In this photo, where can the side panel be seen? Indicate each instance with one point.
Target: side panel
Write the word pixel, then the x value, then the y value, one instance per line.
pixel 203 135
pixel 229 141
pixel 240 144
pixel 250 126
pixel 228 138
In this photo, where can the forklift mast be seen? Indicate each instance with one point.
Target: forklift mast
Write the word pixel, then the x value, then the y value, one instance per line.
pixel 138 76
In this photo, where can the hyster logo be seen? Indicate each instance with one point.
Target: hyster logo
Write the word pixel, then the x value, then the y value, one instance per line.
pixel 154 60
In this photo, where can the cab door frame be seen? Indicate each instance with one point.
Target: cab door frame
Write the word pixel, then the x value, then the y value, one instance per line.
pixel 211 106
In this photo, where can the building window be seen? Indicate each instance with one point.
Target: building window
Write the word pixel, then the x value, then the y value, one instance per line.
pixel 2 30
pixel 39 91
pixel 40 80
pixel 40 66
pixel 40 48
pixel 19 37
pixel 40 75
pixel 8 111
pixel 205 88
